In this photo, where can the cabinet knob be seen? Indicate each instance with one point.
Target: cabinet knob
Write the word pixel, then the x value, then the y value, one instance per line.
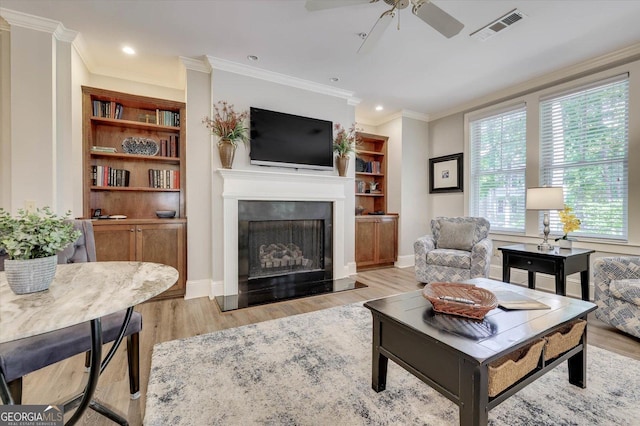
pixel 528 262
pixel 131 230
pixel 139 230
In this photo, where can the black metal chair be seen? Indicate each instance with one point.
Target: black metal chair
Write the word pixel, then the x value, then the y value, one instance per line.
pixel 20 357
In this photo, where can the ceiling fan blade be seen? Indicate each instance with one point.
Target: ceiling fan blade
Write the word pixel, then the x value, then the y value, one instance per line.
pixel 440 20
pixel 313 5
pixel 376 32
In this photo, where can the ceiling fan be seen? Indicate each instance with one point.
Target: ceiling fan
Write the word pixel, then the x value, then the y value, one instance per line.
pixel 437 18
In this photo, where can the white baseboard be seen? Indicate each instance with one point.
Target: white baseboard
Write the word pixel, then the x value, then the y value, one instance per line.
pixel 405 261
pixel 198 288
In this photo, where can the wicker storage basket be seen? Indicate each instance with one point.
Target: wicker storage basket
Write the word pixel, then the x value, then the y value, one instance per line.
pixel 514 366
pixel 563 339
pixel 465 300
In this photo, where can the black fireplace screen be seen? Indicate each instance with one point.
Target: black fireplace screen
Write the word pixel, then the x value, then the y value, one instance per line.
pixel 279 247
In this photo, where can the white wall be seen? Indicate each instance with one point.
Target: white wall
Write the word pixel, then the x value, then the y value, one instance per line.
pixel 198 189
pixel 407 183
pixel 415 187
pixel 446 137
pixel 5 116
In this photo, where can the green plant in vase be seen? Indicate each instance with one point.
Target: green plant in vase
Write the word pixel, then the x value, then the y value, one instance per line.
pixel 32 240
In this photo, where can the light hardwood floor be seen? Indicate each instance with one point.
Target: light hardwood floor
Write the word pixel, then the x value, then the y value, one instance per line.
pixel 173 319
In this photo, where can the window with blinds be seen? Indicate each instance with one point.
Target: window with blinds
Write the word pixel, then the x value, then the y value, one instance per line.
pixel 584 149
pixel 498 161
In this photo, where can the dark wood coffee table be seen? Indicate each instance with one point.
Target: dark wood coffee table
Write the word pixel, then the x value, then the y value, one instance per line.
pixel 452 354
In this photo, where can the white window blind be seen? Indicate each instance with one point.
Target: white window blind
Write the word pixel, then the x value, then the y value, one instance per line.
pixel 584 149
pixel 498 162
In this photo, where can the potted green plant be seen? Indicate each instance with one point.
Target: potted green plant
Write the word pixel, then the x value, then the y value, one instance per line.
pixel 32 240
pixel 344 143
pixel 229 126
pixel 570 223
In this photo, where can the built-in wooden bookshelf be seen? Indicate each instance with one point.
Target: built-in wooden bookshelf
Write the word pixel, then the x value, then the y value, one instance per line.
pixel 136 182
pixel 376 229
pixel 371 168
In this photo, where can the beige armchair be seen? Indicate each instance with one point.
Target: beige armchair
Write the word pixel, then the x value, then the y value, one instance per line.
pixel 457 249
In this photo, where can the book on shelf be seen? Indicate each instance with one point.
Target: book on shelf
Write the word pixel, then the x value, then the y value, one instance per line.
pixel 368 166
pixel 169 147
pixel 166 179
pixel 512 300
pixel 107 109
pixel 167 118
pixel 103 149
pixel 109 176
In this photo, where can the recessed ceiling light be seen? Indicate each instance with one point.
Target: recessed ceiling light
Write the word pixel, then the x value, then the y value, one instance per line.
pixel 128 50
pixel 252 57
pixel 334 79
pixel 379 108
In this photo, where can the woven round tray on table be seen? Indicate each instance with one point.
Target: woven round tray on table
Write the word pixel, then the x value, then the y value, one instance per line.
pixel 465 300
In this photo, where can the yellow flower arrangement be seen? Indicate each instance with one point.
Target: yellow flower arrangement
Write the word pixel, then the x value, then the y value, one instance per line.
pixel 569 221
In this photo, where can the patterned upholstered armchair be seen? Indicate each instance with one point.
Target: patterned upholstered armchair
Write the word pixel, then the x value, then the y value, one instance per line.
pixel 617 292
pixel 457 249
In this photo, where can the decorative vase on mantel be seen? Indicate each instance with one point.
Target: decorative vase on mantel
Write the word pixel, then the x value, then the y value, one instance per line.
pixel 30 275
pixel 343 164
pixel 227 150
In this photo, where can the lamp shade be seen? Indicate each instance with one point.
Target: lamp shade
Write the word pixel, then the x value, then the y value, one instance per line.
pixel 545 198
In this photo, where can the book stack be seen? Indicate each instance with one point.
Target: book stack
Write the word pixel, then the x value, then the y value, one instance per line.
pixel 107 109
pixel 167 179
pixel 372 167
pixel 169 147
pixel 108 176
pixel 102 149
pixel 167 118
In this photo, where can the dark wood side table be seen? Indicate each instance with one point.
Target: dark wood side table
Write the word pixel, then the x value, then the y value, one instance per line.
pixel 558 262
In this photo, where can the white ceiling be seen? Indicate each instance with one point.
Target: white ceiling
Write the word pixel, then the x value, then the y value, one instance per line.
pixel 414 69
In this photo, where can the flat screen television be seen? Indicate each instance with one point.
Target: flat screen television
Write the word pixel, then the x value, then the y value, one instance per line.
pixel 286 140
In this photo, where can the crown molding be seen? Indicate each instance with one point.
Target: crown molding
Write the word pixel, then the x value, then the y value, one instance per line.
pixel 200 65
pixel 274 77
pixel 4 25
pixel 404 113
pixel 591 66
pixel 38 23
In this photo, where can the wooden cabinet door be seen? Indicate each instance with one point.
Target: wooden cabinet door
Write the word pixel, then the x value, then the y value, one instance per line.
pixel 115 242
pixel 387 233
pixel 163 243
pixel 365 242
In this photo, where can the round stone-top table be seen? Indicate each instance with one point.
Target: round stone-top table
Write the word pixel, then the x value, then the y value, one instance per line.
pixel 81 292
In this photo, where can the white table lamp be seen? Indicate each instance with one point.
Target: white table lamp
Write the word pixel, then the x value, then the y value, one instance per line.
pixel 545 198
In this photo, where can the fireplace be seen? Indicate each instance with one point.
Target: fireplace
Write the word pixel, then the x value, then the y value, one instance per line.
pixel 284 249
pixel 327 272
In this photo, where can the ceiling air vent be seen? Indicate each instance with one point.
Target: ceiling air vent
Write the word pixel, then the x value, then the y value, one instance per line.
pixel 498 25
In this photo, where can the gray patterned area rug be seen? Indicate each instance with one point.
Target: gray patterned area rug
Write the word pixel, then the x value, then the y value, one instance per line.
pixel 315 369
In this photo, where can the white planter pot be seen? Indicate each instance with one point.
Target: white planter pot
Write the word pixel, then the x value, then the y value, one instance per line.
pixel 31 275
pixel 562 243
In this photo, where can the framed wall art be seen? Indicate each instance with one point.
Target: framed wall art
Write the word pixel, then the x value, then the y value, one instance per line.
pixel 445 174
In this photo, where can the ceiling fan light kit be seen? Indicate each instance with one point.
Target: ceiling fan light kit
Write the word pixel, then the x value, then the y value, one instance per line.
pixel 428 12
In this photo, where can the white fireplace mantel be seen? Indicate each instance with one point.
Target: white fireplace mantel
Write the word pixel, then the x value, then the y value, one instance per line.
pixel 281 186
